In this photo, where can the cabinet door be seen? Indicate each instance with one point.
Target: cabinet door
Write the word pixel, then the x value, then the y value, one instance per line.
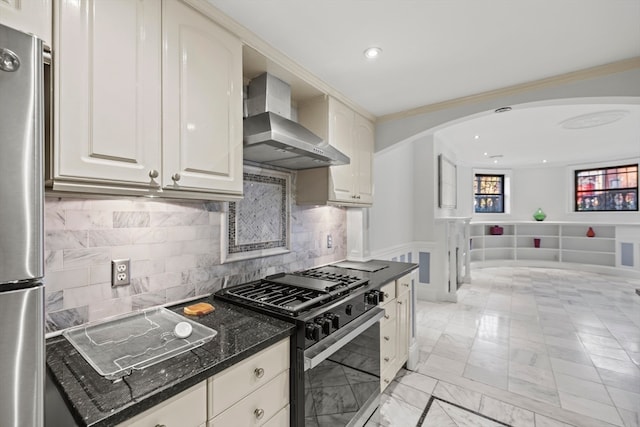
pixel 403 320
pixel 30 16
pixel 202 103
pixel 363 154
pixel 107 91
pixel 341 137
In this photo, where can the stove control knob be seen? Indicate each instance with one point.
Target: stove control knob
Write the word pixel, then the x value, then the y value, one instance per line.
pixel 326 326
pixel 313 331
pixel 335 320
pixel 372 298
pixel 348 309
pixel 381 296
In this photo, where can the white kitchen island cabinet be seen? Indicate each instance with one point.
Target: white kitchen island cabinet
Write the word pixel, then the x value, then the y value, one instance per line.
pixel 28 16
pixel 349 132
pixel 395 328
pixel 148 101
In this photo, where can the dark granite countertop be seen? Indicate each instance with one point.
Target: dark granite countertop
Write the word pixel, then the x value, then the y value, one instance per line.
pixel 95 401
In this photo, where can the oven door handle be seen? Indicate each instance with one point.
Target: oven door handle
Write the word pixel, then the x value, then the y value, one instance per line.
pixel 329 345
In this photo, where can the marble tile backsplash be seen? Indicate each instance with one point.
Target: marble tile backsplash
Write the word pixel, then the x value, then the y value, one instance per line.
pixel 174 248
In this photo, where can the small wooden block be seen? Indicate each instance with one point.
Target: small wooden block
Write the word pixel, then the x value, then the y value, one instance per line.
pixel 199 309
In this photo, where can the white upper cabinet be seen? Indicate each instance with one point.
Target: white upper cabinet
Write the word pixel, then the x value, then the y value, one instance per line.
pixel 107 63
pixel 350 133
pixel 202 103
pixel 28 16
pixel 148 100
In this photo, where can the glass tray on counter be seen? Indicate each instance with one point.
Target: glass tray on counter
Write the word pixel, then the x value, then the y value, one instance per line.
pixel 135 341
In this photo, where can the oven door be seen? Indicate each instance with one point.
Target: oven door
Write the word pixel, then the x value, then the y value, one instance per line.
pixel 342 374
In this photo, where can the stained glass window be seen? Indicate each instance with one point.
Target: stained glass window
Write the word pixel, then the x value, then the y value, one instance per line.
pixel 488 193
pixel 607 189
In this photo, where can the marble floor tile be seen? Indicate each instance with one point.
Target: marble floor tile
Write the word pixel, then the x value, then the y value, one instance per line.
pixel 591 408
pixel 506 413
pixel 542 421
pixel 444 414
pixel 486 376
pixel 629 418
pixel 622 366
pixel 416 380
pixel 497 350
pixel 534 391
pixel 625 399
pixel 583 388
pixel 529 358
pixel 414 397
pixel 620 380
pixel 439 363
pixel 458 395
pixel 577 370
pixel 394 412
pixel 541 377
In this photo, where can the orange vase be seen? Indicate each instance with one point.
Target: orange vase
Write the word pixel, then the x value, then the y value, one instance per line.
pixel 590 232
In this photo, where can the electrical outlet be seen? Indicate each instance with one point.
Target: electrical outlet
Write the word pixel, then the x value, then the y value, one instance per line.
pixel 329 241
pixel 120 272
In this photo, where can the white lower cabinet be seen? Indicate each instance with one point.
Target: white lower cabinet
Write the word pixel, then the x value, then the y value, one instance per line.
pixel 252 393
pixel 187 409
pixel 395 328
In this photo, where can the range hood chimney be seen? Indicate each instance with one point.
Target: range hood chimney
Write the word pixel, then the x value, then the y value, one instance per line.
pixel 271 137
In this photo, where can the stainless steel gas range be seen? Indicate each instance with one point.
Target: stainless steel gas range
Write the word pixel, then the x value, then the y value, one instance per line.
pixel 336 347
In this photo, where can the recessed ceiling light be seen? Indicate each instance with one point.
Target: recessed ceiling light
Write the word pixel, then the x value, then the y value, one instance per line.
pixel 486 154
pixel 544 161
pixel 590 120
pixel 476 137
pixel 372 52
pixel 495 161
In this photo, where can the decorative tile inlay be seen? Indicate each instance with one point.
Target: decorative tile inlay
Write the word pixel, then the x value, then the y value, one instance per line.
pixel 261 220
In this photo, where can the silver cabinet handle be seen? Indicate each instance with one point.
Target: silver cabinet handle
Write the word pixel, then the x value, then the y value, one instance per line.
pixel 386 359
pixel 153 174
pixel 259 413
pixel 400 302
pixel 386 316
pixel 160 425
pixel 386 380
pixel 386 295
pixel 386 338
pixel 406 285
pixel 176 177
pixel 259 372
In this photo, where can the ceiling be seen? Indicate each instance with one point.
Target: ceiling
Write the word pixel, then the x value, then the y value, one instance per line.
pixel 437 50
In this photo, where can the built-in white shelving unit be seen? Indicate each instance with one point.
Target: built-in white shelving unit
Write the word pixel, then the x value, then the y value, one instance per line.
pixel 559 242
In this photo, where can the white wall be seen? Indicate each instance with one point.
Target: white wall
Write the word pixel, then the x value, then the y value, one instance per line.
pixel 391 217
pixel 425 192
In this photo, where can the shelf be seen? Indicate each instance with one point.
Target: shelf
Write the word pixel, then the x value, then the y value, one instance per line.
pixel 559 242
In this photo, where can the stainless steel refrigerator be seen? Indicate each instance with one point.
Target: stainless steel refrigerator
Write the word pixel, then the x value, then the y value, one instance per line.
pixel 21 230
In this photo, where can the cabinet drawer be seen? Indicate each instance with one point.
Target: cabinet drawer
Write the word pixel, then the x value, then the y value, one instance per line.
pixel 187 409
pixel 258 407
pixel 388 345
pixel 389 291
pixel 241 379
pixel 390 313
pixel 281 419
pixel 403 284
pixel 386 377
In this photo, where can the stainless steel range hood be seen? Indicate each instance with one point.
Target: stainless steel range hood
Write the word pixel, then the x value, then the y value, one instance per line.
pixel 271 137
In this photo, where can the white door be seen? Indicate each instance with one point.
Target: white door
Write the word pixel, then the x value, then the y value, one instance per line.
pixel 107 85
pixel 28 16
pixel 202 103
